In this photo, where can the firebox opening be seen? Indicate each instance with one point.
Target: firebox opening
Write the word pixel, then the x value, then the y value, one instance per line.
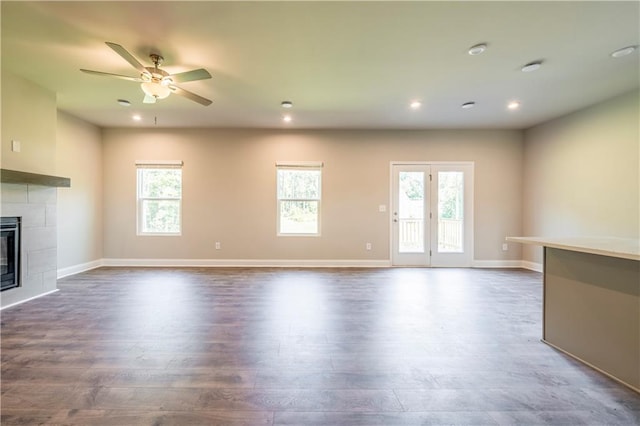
pixel 10 252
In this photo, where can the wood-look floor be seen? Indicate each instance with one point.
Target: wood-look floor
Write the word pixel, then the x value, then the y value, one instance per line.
pixel 122 346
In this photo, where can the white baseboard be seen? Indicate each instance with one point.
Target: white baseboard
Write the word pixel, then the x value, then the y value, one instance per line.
pixel 76 269
pixel 31 298
pixel 496 264
pixel 532 266
pixel 249 263
pixel 277 263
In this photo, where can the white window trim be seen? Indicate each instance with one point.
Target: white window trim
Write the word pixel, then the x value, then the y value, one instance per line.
pixel 299 165
pixel 156 164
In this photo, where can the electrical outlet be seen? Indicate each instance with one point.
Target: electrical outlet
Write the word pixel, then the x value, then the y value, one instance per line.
pixel 382 208
pixel 368 246
pixel 505 247
pixel 15 146
pixel 217 245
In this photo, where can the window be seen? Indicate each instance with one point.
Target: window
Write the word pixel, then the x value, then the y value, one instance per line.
pixel 299 190
pixel 159 198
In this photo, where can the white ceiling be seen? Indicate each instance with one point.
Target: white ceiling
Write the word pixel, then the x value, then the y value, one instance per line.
pixel 343 64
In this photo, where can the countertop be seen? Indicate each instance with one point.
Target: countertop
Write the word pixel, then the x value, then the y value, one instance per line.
pixel 625 248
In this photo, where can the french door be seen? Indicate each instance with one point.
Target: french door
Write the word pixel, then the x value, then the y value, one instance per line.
pixel 432 214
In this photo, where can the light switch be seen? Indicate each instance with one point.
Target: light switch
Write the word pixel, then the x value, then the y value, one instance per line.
pixel 382 208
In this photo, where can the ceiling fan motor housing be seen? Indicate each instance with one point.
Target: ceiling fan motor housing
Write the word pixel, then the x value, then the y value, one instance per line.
pixel 156 75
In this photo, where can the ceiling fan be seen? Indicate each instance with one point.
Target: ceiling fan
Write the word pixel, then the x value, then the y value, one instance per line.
pixel 156 83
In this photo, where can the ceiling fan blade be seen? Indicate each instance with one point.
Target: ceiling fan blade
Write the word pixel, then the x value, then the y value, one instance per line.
pixel 148 99
pixel 189 95
pixel 183 77
pixel 127 56
pixel 108 74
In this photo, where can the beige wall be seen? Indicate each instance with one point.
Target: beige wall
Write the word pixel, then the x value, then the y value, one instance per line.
pixel 29 116
pixel 576 175
pixel 53 143
pixel 79 157
pixel 228 175
pixel 581 174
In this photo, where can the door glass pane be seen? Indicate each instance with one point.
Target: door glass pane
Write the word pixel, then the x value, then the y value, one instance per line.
pixel 450 211
pixel 411 212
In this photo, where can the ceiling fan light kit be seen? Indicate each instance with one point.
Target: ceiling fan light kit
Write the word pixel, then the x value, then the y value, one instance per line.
pixel 155 82
pixel 154 90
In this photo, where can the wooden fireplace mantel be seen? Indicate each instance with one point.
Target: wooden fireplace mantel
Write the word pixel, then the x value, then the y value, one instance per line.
pixel 14 176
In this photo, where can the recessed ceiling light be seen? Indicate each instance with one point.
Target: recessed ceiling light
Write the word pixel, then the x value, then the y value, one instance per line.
pixel 286 104
pixel 513 105
pixel 477 49
pixel 287 119
pixel 468 105
pixel 415 104
pixel 124 102
pixel 136 117
pixel 532 66
pixel 623 52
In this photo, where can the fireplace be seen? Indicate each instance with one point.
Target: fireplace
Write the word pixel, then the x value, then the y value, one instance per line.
pixel 29 208
pixel 10 252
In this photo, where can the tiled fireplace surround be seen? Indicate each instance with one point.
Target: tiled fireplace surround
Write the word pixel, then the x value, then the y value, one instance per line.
pixel 36 204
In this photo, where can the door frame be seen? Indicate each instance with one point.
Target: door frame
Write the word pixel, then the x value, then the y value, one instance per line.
pixel 469 219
